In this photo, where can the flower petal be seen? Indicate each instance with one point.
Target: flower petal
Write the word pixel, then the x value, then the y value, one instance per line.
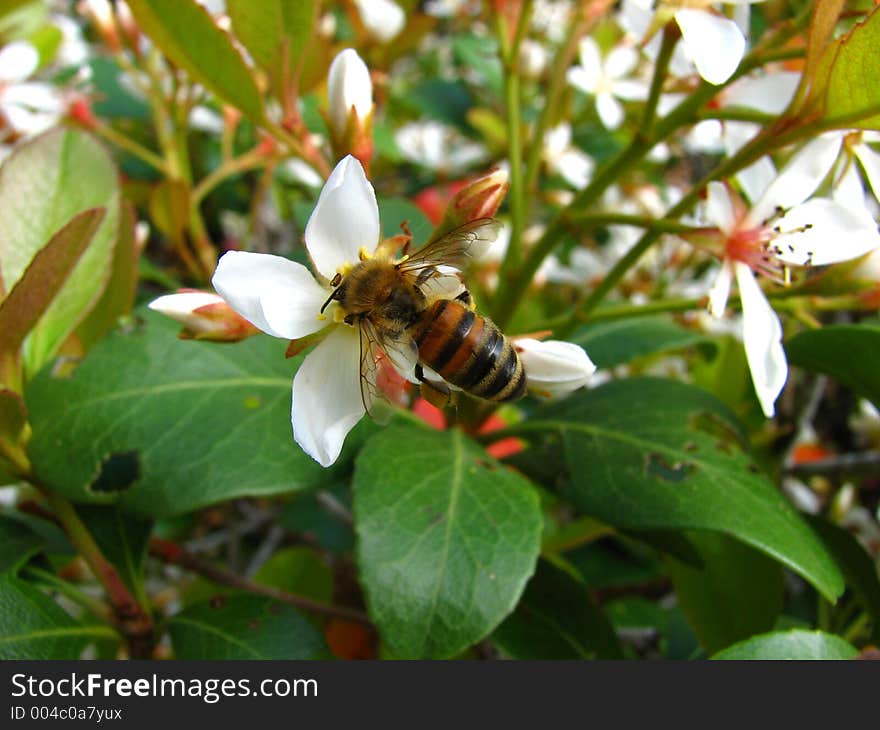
pixel 383 19
pixel 799 178
pixel 620 61
pixel 345 219
pixel 609 109
pixel 273 293
pixel 554 367
pixel 18 60
pixel 720 291
pixel 714 43
pixel 821 232
pixel 590 59
pixel 762 337
pixel 770 93
pixel 327 401
pixel 719 207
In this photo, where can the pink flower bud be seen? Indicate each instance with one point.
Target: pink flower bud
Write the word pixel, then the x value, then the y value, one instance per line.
pixel 204 316
pixel 478 199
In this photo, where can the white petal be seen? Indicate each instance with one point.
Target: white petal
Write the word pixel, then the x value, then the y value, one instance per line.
pixel 715 44
pixel 383 19
pixel 575 167
pixel 620 61
pixel 554 367
pixel 581 79
pixel 181 305
pixel 629 90
pixel 799 178
pixel 557 140
pixel 821 232
pixel 275 294
pixel 849 191
pixel 762 337
pixel 719 207
pixel 720 291
pixel 18 60
pixel 756 178
pixel 609 109
pixel 871 165
pixel 590 59
pixel 348 85
pixel 770 93
pixel 327 401
pixel 345 219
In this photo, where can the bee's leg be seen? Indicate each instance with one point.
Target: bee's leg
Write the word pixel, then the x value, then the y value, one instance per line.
pixel 466 298
pixel 436 393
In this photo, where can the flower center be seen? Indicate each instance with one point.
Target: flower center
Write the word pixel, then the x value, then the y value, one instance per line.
pixel 756 247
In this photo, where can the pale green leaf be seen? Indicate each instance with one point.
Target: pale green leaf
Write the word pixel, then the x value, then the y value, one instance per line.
pixel 796 645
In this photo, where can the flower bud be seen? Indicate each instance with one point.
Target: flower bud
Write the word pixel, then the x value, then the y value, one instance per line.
pixel 554 368
pixel 100 12
pixel 204 316
pixel 350 106
pixel 478 199
pixel 382 19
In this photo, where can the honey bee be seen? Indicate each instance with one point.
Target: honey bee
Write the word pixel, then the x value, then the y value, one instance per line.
pixel 404 316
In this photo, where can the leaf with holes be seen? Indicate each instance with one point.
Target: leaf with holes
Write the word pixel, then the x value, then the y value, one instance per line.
pixel 244 627
pixel 33 626
pixel 797 645
pixel 446 539
pixel 556 619
pixel 736 593
pixel 44 184
pixel 652 454
pixel 187 34
pixel 622 341
pixel 848 353
pixel 162 426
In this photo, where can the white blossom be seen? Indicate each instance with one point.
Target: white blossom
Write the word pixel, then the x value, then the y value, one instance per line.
pixel 383 19
pixel 348 88
pixel 554 368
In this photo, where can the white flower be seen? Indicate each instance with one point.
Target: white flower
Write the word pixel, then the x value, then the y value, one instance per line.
pixel 783 228
pixel 29 107
pixel 204 315
pixel 383 19
pixel 554 368
pixel 283 299
pixel 534 58
pixel 607 80
pixel 348 88
pixel 574 166
pixel 437 146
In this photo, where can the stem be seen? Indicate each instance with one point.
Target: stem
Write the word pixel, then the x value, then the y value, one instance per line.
pixel 671 34
pixel 174 554
pixel 129 145
pixel 594 220
pixel 251 160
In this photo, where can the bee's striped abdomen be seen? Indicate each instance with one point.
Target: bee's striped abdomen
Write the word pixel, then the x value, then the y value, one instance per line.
pixel 469 351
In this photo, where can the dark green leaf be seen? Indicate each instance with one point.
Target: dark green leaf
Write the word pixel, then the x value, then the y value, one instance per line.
pixel 447 538
pixel 123 540
pixel 44 277
pixel 736 594
pixel 33 626
pixel 298 570
pixel 18 544
pixel 243 627
pixel 163 426
pixel 556 619
pixel 648 454
pixel 795 644
pixel 859 570
pixel 43 185
pixel 621 341
pixel 188 35
pixel 848 353
pixel 445 101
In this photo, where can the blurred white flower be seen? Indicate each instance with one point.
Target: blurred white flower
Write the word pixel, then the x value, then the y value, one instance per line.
pixel 29 107
pixel 349 90
pixel 606 79
pixel 564 159
pixel 534 58
pixel 552 17
pixel 438 147
pixel 554 368
pixel 383 19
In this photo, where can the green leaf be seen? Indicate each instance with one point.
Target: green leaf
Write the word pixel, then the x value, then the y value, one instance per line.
pixel 269 29
pixel 18 544
pixel 297 570
pixel 857 566
pixel 446 539
pixel 649 454
pixel 852 87
pixel 621 341
pixel 43 185
pixel 13 416
pixel 188 35
pixel 123 540
pixel 735 594
pixel 44 277
pixel 33 626
pixel 556 619
pixel 394 211
pixel 163 426
pixel 797 644
pixel 848 353
pixel 243 627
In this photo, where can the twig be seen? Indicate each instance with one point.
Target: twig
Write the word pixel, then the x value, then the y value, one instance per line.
pixel 862 463
pixel 174 554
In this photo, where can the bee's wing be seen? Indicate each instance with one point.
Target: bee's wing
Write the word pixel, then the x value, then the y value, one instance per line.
pixel 457 248
pixel 383 362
